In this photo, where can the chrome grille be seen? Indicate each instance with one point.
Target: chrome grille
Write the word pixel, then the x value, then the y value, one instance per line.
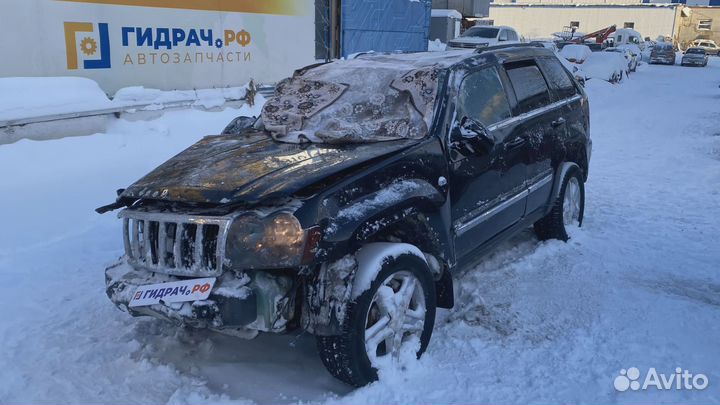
pixel 183 245
pixel 465 45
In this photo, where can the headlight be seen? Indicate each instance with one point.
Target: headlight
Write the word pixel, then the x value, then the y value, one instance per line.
pixel 276 241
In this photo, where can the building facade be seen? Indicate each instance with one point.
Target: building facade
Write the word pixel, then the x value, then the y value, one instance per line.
pixel 194 44
pixel 542 18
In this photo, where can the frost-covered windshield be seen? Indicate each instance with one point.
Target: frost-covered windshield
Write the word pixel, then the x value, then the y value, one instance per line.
pixel 371 99
pixel 481 32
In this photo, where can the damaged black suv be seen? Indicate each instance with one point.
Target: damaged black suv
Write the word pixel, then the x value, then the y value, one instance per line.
pixel 345 209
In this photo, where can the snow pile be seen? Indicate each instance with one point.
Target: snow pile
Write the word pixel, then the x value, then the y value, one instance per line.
pixel 634 49
pixel 27 97
pixel 436 46
pixel 23 97
pixel 573 68
pixel 575 53
pixel 610 66
pixel 207 98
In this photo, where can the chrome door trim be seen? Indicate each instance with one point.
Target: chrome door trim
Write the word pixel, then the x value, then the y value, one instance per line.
pixel 464 227
pixel 461 228
pixel 534 113
pixel 540 183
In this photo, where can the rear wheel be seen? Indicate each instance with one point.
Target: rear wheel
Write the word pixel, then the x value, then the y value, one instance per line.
pixel 397 311
pixel 567 210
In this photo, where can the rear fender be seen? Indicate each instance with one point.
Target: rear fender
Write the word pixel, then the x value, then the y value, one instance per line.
pixel 560 173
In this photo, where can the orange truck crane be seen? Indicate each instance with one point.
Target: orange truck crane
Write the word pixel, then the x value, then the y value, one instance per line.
pixel 600 35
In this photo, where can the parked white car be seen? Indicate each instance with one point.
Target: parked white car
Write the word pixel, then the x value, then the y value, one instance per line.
pixel 609 66
pixel 627 54
pixel 484 35
pixel 575 53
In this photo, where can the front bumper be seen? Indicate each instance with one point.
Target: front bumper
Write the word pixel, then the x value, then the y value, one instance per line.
pixel 696 62
pixel 237 303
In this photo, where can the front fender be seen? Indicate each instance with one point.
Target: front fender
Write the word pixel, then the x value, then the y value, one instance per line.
pixel 414 200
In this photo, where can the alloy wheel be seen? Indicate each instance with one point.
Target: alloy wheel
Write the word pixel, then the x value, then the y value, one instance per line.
pixel 571 202
pixel 396 314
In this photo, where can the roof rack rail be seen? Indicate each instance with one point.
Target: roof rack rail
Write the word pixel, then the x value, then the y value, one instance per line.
pixel 505 46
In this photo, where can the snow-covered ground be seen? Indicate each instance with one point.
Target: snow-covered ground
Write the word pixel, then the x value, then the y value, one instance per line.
pixel 637 286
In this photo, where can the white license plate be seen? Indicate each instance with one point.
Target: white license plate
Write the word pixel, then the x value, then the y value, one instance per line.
pixel 175 291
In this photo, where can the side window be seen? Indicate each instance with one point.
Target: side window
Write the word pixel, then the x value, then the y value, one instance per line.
pixel 503 35
pixel 558 79
pixel 483 98
pixel 529 85
pixel 512 36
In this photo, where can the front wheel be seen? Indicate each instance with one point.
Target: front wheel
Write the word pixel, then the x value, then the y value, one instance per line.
pixel 396 312
pixel 567 211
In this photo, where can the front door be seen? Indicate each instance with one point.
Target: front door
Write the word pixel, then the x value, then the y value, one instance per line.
pixel 487 169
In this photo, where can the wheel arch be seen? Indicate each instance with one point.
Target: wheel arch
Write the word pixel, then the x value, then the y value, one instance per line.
pixel 560 173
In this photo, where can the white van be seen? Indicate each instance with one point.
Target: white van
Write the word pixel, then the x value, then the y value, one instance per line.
pixel 628 36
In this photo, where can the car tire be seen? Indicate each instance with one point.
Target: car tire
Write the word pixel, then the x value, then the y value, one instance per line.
pixel 346 356
pixel 565 212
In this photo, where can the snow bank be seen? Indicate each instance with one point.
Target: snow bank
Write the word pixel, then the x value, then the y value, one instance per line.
pixel 26 97
pixel 207 98
pixel 436 46
pixel 22 97
pixel 575 53
pixel 632 48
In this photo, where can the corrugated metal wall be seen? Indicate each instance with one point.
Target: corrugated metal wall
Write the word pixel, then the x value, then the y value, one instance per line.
pixel 384 25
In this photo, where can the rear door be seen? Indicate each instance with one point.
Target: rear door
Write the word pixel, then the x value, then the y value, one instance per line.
pixel 567 127
pixel 538 123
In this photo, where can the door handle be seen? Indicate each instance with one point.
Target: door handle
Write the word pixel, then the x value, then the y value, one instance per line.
pixel 558 122
pixel 515 143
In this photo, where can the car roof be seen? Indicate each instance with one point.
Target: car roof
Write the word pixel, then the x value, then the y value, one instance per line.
pixel 493 26
pixel 452 59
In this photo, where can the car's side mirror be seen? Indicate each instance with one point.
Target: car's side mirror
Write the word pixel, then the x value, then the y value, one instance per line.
pixel 475 134
pixel 238 125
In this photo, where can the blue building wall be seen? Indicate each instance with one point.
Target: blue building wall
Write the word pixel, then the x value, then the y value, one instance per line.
pixel 384 25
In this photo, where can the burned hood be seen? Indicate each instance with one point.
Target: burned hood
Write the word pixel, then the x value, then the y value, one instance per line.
pixel 251 168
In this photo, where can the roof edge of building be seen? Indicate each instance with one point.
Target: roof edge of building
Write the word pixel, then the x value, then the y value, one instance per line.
pixel 594 5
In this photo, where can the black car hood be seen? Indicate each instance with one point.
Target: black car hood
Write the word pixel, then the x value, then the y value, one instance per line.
pixel 251 168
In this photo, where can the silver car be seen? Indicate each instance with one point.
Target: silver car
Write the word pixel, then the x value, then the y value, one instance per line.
pixel 708 45
pixel 694 57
